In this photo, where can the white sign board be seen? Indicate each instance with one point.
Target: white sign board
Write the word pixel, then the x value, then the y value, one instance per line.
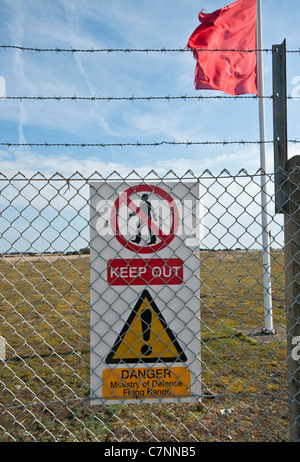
pixel 145 301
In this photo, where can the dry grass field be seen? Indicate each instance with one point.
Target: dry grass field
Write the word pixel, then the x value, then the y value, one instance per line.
pixel 45 377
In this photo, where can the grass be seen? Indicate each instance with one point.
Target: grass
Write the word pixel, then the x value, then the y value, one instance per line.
pixel 45 378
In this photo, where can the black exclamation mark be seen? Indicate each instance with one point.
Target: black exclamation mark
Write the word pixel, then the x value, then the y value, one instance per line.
pixel 146 317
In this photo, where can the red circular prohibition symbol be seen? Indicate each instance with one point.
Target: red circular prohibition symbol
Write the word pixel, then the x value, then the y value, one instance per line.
pixel 165 239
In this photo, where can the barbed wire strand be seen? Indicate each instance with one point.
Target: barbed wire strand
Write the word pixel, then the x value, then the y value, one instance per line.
pixel 134 50
pixel 140 98
pixel 139 144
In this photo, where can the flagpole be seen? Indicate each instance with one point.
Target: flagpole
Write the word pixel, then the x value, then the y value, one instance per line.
pixel 266 238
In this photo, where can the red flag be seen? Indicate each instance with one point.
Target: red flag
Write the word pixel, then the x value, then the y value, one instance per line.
pixel 229 28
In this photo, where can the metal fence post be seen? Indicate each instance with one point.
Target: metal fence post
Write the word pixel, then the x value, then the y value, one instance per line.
pixel 280 123
pixel 292 269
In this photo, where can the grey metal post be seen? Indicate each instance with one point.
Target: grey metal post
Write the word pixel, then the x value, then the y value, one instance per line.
pixel 292 271
pixel 287 201
pixel 280 124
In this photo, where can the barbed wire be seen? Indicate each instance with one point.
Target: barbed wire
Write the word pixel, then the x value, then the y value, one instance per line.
pixel 140 98
pixel 135 98
pixel 139 144
pixel 134 50
pixel 130 98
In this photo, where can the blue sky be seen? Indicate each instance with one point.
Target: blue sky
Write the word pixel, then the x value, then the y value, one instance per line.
pixel 155 24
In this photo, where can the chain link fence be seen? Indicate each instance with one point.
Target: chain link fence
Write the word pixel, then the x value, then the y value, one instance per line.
pixel 46 309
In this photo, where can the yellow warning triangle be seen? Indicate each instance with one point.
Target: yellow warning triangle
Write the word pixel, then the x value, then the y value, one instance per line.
pixel 145 337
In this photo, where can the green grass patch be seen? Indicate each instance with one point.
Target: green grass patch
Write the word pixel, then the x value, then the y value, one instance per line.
pixel 45 378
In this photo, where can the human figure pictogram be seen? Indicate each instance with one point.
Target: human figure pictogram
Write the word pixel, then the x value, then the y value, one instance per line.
pixel 147 209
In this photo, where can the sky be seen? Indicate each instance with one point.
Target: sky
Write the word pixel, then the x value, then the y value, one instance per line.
pixel 127 24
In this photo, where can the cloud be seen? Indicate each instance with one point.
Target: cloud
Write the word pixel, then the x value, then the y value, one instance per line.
pixel 2 87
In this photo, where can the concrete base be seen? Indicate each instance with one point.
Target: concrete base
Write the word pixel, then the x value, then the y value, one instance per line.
pixel 257 333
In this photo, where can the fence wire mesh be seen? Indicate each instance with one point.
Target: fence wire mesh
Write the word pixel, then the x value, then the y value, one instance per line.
pixel 46 308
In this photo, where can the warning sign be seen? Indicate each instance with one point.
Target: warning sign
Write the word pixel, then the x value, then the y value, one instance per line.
pixel 146 382
pixel 145 301
pixel 146 214
pixel 136 271
pixel 146 337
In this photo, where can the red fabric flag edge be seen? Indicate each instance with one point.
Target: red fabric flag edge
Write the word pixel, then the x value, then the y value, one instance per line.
pixel 230 28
